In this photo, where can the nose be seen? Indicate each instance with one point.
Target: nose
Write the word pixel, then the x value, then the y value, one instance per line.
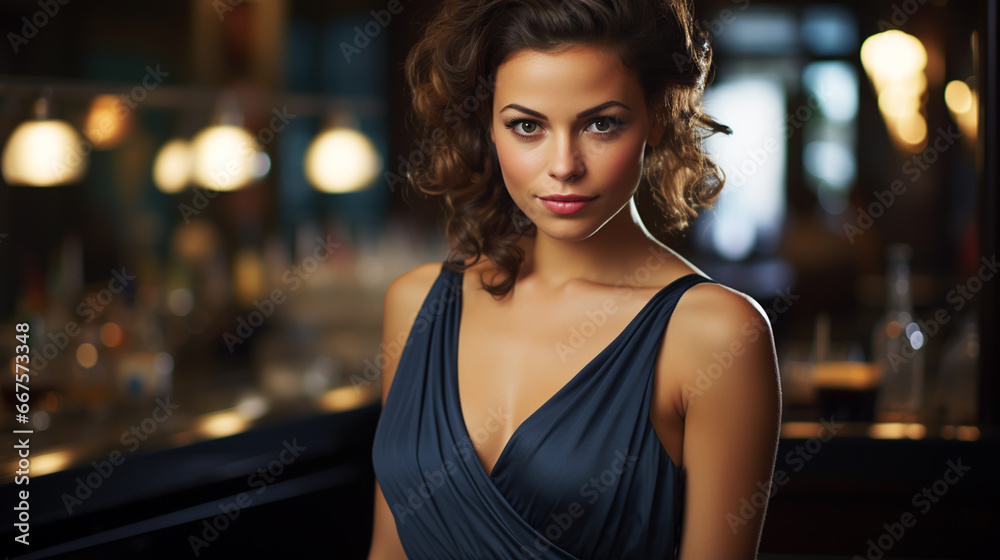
pixel 566 162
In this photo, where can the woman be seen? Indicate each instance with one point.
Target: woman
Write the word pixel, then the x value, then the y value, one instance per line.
pixel 569 387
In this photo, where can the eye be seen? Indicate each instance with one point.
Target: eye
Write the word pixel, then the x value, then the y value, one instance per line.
pixel 528 127
pixel 607 126
pixel 604 125
pixel 523 127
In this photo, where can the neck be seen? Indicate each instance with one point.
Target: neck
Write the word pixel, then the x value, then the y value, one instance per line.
pixel 605 257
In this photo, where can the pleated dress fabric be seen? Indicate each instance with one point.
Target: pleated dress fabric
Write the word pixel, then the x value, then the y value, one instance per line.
pixel 584 477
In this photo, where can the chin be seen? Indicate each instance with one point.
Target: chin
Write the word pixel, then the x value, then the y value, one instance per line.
pixel 567 229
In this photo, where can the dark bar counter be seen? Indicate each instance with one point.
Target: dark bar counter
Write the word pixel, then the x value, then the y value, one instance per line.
pixel 297 489
pixel 304 488
pixel 855 496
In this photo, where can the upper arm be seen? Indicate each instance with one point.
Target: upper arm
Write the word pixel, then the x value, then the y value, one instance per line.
pixel 403 299
pixel 721 357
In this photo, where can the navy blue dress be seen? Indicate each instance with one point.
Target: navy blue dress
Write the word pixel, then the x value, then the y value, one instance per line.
pixel 584 477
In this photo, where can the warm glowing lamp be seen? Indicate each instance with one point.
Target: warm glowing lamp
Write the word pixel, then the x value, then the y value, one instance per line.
pixel 172 166
pixel 958 96
pixel 224 157
pixel 341 160
pixel 108 122
pixel 912 130
pixel 893 56
pixel 963 104
pixel 898 102
pixel 44 152
pixel 895 63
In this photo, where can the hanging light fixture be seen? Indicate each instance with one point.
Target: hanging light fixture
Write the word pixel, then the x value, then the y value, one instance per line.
pixel 226 157
pixel 895 63
pixel 342 159
pixel 44 152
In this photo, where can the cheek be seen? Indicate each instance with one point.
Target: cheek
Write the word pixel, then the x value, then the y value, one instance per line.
pixel 518 165
pixel 622 162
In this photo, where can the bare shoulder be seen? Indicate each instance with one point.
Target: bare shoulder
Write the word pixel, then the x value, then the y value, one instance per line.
pixel 715 330
pixel 406 293
pixel 403 299
pixel 716 312
pixel 706 311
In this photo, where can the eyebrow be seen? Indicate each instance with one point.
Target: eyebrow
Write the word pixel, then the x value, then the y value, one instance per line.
pixel 579 115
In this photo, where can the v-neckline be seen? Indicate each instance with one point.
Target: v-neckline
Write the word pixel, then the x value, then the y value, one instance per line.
pixel 455 377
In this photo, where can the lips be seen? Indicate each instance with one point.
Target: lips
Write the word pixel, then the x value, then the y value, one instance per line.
pixel 567 197
pixel 565 204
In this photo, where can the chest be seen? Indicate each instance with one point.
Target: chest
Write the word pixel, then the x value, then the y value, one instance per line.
pixel 513 359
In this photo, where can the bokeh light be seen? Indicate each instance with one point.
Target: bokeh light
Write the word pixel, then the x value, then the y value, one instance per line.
pixel 341 160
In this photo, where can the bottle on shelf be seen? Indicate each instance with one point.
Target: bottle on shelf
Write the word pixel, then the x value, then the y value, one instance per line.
pixel 898 345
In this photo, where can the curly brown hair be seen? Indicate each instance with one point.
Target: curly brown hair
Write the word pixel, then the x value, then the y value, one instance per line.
pixel 450 73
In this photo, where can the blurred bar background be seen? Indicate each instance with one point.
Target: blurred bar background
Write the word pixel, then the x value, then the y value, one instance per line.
pixel 202 205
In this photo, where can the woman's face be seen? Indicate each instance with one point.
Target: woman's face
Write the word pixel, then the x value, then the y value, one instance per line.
pixel 570 130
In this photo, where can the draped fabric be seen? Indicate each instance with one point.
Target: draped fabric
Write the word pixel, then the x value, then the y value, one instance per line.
pixel 584 477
